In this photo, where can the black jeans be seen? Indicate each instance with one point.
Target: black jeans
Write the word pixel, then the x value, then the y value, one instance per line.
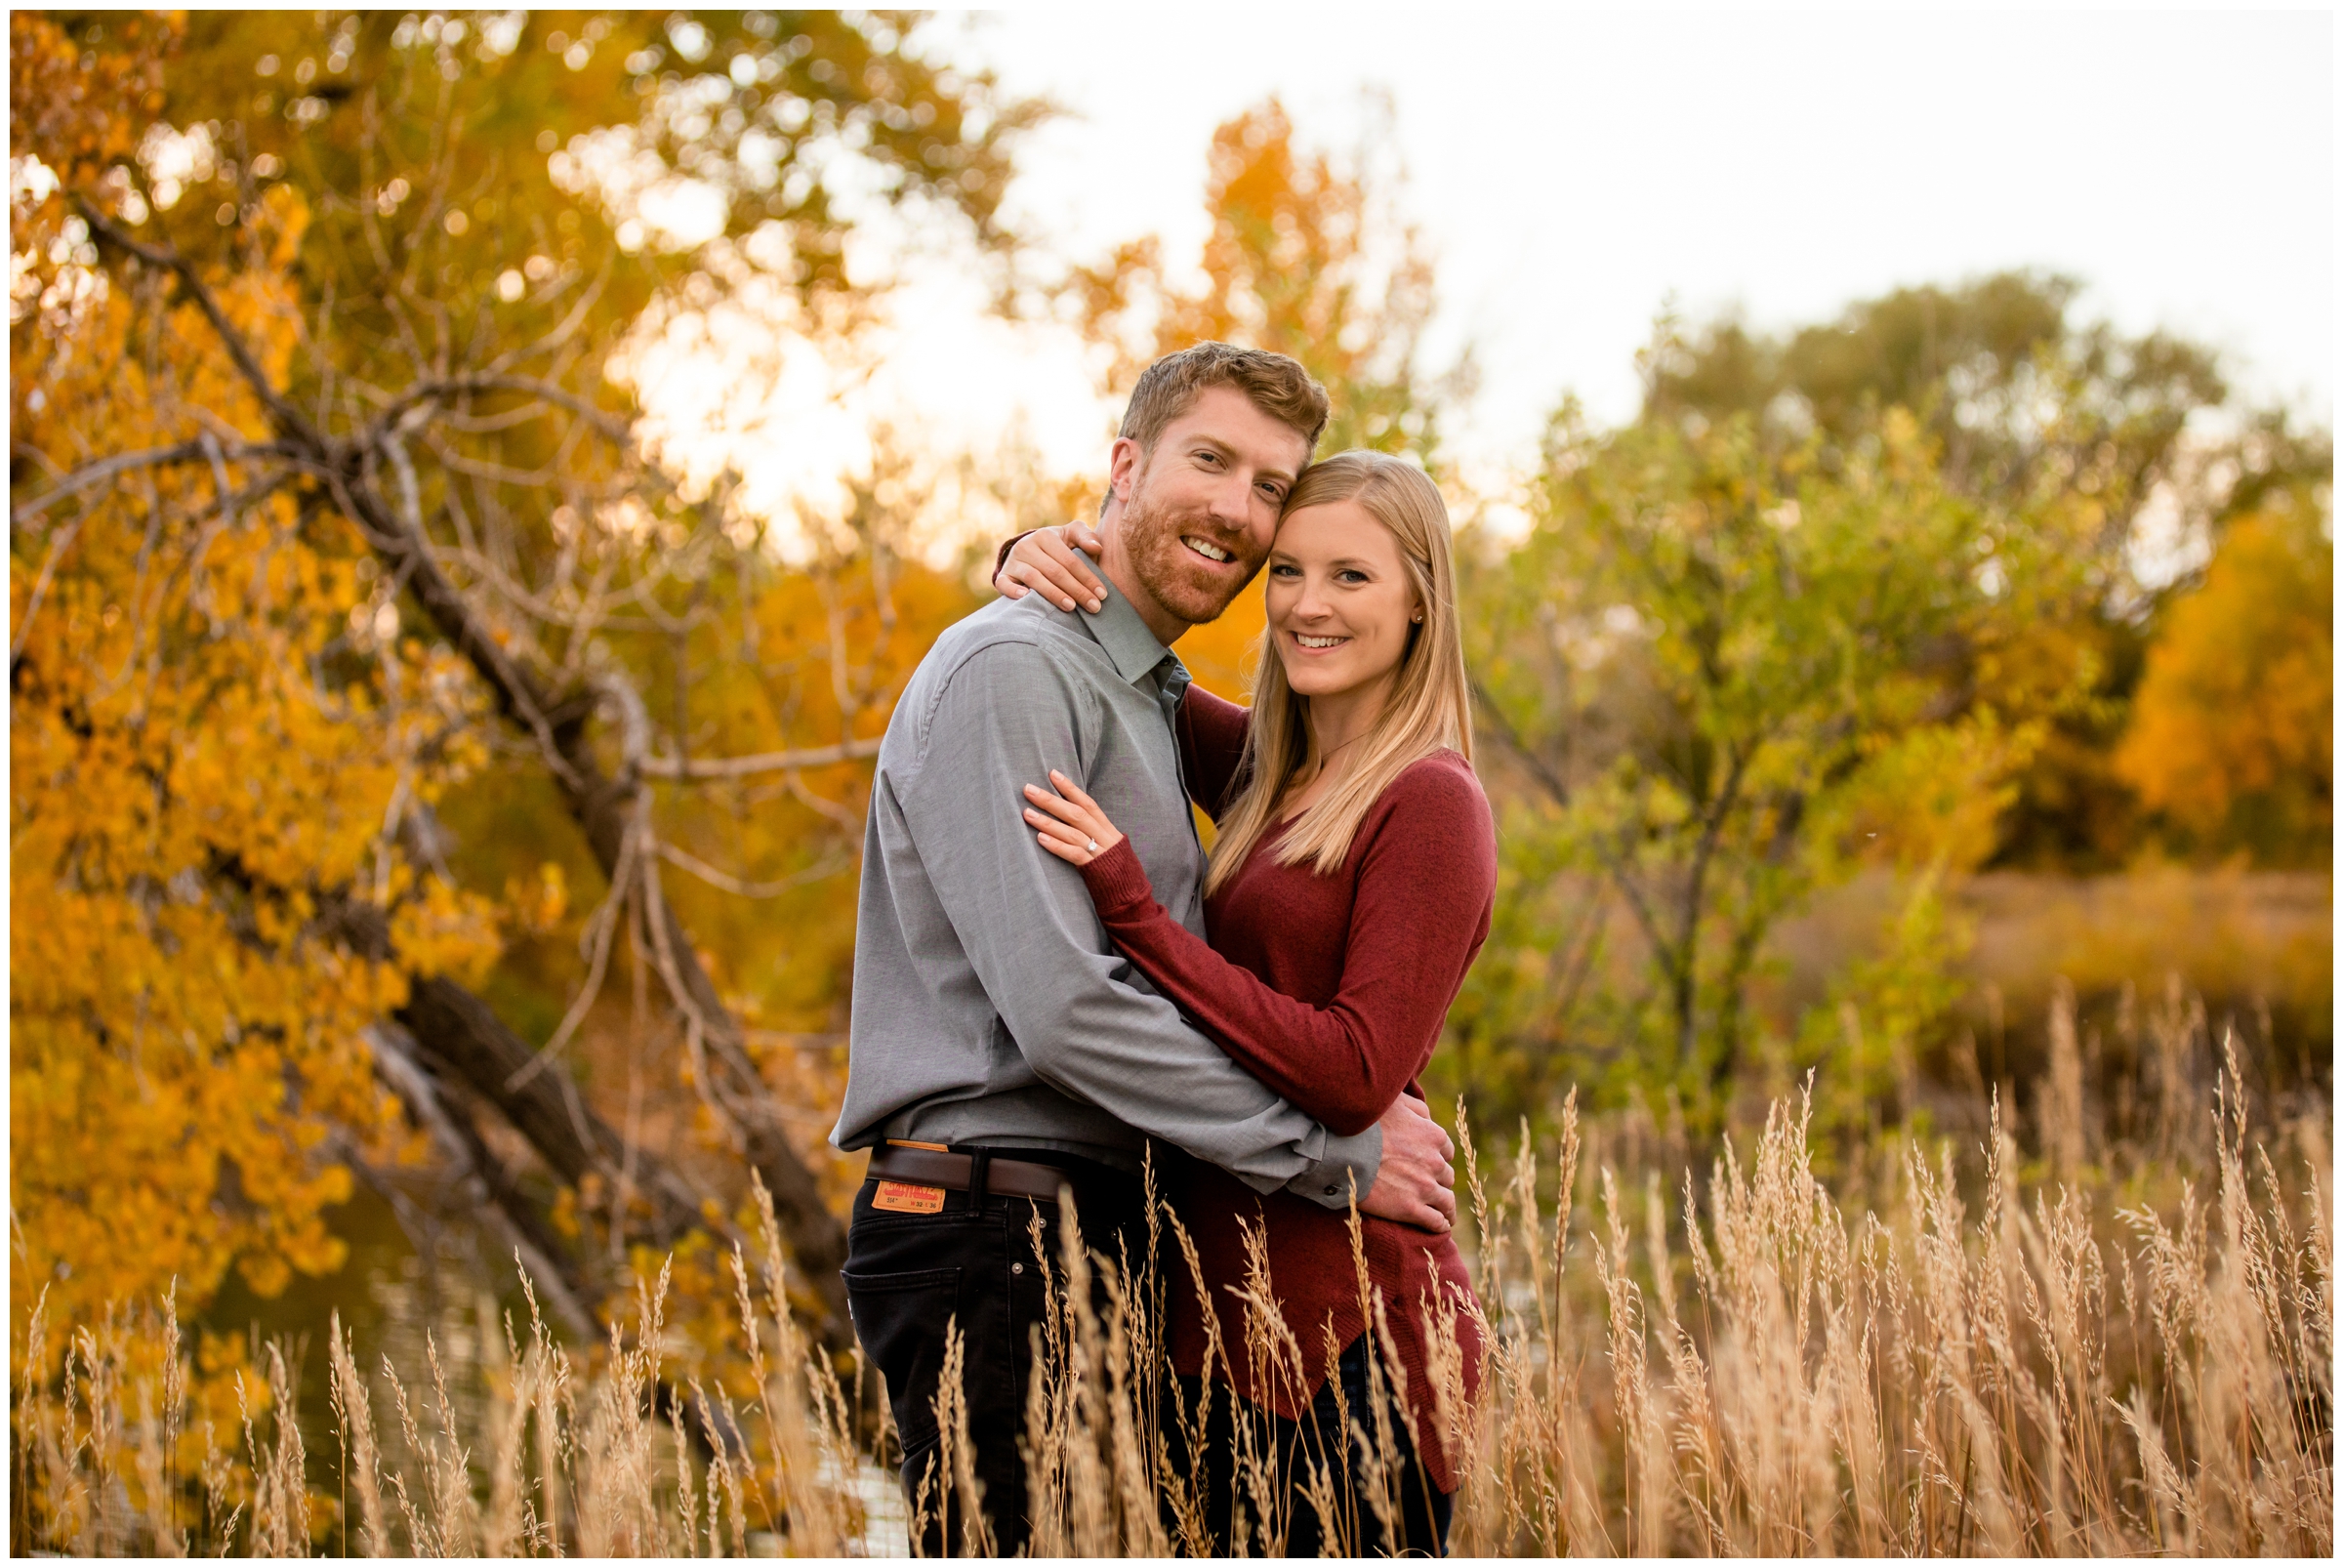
pixel 1423 1509
pixel 908 1276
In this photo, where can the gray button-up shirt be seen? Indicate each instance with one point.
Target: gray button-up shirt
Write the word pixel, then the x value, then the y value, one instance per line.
pixel 989 1005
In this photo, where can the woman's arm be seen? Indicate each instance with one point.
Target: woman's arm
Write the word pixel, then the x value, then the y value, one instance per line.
pixel 1427 878
pixel 1211 745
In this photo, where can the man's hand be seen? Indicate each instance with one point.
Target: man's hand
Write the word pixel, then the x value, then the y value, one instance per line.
pixel 1416 1184
pixel 1049 560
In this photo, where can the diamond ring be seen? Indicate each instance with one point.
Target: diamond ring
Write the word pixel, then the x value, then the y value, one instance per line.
pixel 1094 846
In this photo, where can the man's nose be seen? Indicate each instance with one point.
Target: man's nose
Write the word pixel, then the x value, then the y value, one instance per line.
pixel 1231 502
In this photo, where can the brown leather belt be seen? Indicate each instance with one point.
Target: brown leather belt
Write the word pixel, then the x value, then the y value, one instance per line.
pixel 932 1167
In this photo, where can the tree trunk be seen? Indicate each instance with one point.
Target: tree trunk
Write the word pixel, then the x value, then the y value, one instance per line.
pixel 342 471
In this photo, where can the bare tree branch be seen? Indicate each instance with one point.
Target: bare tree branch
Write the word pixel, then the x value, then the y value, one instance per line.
pixel 202 449
pixel 709 767
pixel 601 804
pixel 396 1064
pixel 289 419
pixel 750 890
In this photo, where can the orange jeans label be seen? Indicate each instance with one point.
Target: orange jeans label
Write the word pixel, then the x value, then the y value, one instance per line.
pixel 903 1198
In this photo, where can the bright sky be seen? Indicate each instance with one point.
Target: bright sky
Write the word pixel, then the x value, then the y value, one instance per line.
pixel 1574 172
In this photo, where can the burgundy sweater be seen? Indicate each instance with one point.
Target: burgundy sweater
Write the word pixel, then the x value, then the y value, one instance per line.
pixel 1332 991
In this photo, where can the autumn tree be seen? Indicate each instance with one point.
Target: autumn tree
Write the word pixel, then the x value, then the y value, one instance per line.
pixel 1308 255
pixel 2232 733
pixel 323 503
pixel 2019 389
pixel 1716 671
pixel 1870 592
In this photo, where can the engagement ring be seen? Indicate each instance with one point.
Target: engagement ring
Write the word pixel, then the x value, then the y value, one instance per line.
pixel 1094 846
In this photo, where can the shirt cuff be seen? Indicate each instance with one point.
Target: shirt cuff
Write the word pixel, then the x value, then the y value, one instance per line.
pixel 1327 1182
pixel 1118 883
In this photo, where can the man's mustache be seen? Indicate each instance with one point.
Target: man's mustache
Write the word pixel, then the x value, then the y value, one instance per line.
pixel 1237 541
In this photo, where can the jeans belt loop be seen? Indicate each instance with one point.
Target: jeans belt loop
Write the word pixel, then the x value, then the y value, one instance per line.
pixel 978 1159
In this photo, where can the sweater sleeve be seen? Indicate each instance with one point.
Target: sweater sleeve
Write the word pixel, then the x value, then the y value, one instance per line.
pixel 1427 880
pixel 1212 746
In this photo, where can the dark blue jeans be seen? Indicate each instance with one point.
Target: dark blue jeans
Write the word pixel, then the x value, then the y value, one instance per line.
pixel 1423 1509
pixel 908 1276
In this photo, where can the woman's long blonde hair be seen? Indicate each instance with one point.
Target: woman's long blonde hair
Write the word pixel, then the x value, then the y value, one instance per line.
pixel 1429 706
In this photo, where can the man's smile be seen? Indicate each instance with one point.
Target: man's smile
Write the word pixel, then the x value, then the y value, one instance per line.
pixel 1207 549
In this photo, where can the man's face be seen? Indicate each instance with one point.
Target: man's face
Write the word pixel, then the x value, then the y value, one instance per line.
pixel 1200 511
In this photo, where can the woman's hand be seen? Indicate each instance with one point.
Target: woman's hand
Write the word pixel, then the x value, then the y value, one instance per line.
pixel 1069 824
pixel 1049 562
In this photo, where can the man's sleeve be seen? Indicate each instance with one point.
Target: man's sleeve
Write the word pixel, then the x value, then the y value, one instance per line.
pixel 1008 716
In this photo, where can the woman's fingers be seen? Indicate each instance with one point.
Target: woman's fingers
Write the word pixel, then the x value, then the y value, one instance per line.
pixel 1071 832
pixel 1073 854
pixel 1067 566
pixel 1053 583
pixel 1069 823
pixel 1068 811
pixel 1062 832
pixel 1021 577
pixel 1044 562
pixel 1073 792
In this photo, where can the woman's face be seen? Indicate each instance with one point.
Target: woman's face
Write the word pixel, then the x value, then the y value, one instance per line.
pixel 1339 598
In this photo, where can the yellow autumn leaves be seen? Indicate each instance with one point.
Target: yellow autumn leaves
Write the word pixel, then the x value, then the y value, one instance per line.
pixel 198 768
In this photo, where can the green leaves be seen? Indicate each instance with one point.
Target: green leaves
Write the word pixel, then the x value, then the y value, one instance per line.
pixel 1707 662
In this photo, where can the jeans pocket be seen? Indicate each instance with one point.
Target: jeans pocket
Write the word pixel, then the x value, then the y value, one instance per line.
pixel 900 1319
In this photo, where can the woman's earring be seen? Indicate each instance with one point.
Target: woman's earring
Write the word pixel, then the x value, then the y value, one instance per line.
pixel 1418 617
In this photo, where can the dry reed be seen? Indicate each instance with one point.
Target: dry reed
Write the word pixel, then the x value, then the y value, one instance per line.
pixel 1745 1368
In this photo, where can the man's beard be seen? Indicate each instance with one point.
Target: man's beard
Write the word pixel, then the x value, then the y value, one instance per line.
pixel 1170 572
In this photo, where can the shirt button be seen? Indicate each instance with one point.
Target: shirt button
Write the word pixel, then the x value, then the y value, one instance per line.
pixel 1329 1192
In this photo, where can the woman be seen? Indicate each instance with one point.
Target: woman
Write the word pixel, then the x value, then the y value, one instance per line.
pixel 1349 888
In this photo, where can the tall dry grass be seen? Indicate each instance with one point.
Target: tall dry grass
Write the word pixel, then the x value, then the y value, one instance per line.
pixel 1743 1365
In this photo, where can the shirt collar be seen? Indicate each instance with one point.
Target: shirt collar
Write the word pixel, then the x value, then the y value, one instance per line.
pixel 1118 629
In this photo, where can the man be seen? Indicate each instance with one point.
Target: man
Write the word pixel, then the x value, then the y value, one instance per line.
pixel 1001 1047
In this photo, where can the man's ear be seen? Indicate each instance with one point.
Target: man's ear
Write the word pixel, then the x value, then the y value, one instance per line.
pixel 1123 470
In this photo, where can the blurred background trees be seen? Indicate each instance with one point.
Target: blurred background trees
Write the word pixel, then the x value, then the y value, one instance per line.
pixel 438 787
pixel 365 662
pixel 1893 612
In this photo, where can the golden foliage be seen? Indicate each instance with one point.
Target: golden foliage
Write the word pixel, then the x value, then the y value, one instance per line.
pixel 215 735
pixel 76 104
pixel 1303 258
pixel 2233 731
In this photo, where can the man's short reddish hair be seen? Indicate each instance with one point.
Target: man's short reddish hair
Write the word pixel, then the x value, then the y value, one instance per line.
pixel 1276 386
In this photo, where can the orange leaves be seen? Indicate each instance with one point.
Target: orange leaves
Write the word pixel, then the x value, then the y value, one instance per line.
pixel 1304 258
pixel 78 99
pixel 2232 735
pixel 200 759
pixel 186 1039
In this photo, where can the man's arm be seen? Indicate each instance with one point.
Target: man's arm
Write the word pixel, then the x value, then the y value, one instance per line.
pixel 1026 923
